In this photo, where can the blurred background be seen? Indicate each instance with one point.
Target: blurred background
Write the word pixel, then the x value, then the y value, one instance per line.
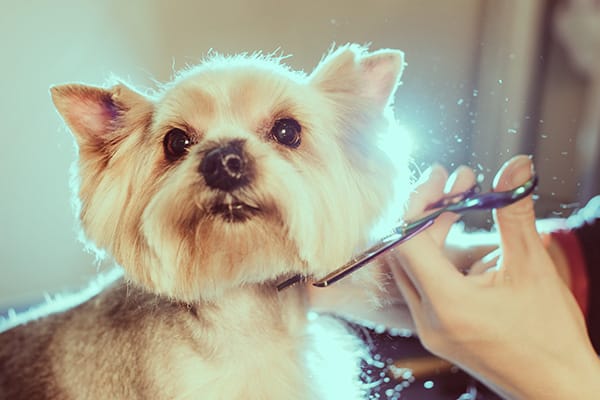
pixel 486 79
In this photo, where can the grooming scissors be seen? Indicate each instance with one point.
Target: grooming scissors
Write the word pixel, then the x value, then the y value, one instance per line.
pixel 461 203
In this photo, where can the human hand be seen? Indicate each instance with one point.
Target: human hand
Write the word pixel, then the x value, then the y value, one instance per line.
pixel 516 326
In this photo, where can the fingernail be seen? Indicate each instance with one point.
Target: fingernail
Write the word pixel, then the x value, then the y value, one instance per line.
pixel 532 164
pixel 523 170
pixel 430 172
pixel 453 177
pixel 450 182
pixel 438 171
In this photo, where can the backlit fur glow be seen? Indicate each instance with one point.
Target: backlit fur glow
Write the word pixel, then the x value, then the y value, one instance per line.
pixel 318 202
pixel 199 315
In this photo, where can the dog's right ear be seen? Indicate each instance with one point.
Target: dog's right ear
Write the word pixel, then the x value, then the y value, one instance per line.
pixel 99 118
pixel 352 70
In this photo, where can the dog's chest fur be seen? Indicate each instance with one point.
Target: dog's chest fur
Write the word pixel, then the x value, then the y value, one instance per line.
pixel 141 346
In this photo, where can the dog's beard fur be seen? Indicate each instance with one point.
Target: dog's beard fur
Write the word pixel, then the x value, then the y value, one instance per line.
pixel 301 208
pixel 304 211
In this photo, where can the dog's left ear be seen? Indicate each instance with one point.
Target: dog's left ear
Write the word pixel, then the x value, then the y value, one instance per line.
pixel 351 70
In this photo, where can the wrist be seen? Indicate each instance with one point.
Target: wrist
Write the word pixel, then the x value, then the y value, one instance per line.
pixel 548 376
pixel 579 379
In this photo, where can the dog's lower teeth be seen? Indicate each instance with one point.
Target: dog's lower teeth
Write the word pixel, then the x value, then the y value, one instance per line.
pixel 234 212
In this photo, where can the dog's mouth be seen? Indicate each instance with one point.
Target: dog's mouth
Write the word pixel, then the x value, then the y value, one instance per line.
pixel 234 210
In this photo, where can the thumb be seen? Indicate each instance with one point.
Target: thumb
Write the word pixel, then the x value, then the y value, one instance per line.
pixel 516 222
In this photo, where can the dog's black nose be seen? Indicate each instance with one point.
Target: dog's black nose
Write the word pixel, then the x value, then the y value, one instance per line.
pixel 226 167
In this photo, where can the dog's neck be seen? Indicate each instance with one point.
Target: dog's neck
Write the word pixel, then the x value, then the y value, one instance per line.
pixel 244 310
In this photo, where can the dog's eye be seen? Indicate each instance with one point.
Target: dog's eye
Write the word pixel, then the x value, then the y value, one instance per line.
pixel 176 143
pixel 287 132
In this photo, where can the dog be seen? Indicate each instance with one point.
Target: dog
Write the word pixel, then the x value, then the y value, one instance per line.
pixel 208 192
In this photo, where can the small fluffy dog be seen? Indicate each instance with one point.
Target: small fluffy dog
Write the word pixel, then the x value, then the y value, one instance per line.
pixel 237 175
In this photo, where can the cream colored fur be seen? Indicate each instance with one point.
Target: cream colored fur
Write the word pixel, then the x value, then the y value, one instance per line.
pixel 199 316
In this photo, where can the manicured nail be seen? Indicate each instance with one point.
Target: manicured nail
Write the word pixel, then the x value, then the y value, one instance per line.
pixel 433 171
pixel 453 177
pixel 523 170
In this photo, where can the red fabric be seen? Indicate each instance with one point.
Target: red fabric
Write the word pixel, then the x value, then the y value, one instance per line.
pixel 579 279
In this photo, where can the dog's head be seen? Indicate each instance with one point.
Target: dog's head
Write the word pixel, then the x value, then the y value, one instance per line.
pixel 240 171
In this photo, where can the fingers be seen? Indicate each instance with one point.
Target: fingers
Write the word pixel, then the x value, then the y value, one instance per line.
pixel 461 180
pixel 428 190
pixel 483 265
pixel 422 257
pixel 516 222
pixel 434 185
